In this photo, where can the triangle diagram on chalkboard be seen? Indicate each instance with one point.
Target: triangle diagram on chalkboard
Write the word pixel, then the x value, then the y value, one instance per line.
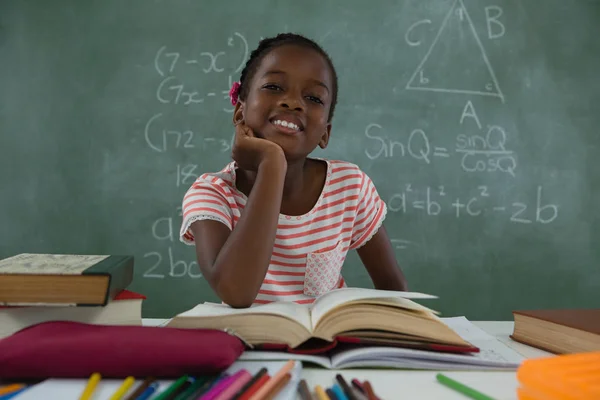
pixel 456 61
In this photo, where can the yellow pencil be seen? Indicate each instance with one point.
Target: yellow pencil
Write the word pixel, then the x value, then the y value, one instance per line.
pixel 321 395
pixel 11 388
pixel 91 386
pixel 127 383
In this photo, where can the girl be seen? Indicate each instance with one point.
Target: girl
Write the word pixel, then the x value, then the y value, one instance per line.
pixel 274 224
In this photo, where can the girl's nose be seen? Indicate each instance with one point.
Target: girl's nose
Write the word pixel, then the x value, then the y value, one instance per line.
pixel 292 102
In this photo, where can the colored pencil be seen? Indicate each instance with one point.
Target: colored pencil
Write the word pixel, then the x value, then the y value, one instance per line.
pixel 127 383
pixel 241 378
pixel 459 387
pixel 303 390
pixel 331 394
pixel 359 389
pixel 256 377
pixel 91 386
pixel 146 394
pixel 11 395
pixel 220 386
pixel 203 389
pixel 256 387
pixel 181 388
pixel 321 395
pixel 274 380
pixel 351 394
pixel 199 383
pixel 369 391
pixel 172 388
pixel 278 387
pixel 140 389
pixel 339 392
pixel 11 388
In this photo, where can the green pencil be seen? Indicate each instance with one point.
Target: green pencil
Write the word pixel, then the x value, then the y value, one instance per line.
pixel 171 389
pixel 459 387
pixel 193 388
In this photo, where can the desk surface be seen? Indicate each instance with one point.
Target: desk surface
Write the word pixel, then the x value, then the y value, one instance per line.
pixel 404 384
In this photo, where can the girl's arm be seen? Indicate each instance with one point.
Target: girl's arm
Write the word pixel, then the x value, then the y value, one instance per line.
pixel 379 259
pixel 235 262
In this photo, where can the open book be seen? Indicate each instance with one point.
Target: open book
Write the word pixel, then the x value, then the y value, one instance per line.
pixel 347 315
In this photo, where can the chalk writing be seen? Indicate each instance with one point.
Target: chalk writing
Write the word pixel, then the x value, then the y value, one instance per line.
pixel 174 268
pixel 494 26
pixel 410 29
pixel 401 244
pixel 417 146
pixel 161 140
pixel 477 153
pixel 186 174
pixel 456 24
pixel 177 85
pixel 486 154
pixel 430 201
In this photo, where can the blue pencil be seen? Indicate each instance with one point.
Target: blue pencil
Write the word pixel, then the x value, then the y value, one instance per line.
pixel 148 392
pixel 339 393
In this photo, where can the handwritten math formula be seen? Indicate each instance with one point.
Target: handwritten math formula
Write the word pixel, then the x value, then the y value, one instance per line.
pixel 175 88
pixel 432 201
pixel 477 153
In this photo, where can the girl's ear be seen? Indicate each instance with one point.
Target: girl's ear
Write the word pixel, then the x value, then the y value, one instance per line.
pixel 325 138
pixel 238 113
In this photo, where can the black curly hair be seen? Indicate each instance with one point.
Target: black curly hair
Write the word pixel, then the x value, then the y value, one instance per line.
pixel 268 44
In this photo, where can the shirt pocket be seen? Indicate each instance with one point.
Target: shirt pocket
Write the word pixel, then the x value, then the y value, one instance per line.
pixel 323 271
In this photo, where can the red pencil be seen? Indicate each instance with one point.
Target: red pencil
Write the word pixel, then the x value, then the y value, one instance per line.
pixel 254 388
pixel 369 390
pixel 356 383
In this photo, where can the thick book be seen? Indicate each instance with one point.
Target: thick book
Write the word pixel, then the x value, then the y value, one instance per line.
pixel 63 279
pixel 492 354
pixel 560 331
pixel 124 309
pixel 343 316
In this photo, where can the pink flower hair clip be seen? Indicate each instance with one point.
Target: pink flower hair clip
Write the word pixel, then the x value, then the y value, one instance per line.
pixel 234 93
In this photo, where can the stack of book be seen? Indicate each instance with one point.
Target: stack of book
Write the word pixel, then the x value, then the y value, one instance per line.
pixel 36 288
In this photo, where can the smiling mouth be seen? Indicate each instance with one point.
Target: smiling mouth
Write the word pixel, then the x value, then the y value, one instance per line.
pixel 286 126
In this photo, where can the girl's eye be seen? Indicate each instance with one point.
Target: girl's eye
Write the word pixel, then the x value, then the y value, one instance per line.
pixel 272 86
pixel 315 99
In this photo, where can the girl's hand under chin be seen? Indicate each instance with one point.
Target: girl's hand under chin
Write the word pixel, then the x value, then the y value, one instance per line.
pixel 249 152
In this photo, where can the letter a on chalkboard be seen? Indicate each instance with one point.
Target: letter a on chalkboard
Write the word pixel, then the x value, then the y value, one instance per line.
pixel 456 61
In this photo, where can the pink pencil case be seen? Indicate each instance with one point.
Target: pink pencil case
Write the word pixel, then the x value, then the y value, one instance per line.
pixel 76 350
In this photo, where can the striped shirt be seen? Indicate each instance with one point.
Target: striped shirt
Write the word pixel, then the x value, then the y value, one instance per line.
pixel 309 249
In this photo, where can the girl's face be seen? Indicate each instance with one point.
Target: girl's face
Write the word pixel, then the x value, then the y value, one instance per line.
pixel 288 100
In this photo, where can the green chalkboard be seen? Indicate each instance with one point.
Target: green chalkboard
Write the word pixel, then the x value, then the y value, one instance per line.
pixel 477 120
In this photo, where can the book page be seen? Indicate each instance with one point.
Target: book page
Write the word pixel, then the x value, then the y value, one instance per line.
pixel 338 297
pixel 51 264
pixel 490 348
pixel 266 356
pixel 491 354
pixel 297 312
